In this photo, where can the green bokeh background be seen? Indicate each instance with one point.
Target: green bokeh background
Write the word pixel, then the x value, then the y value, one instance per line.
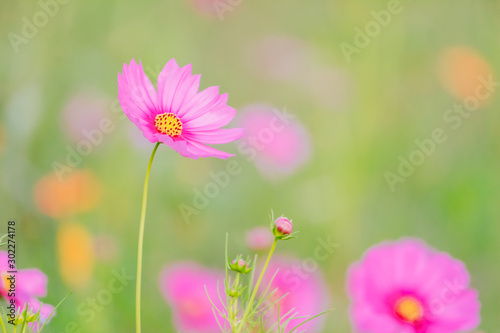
pixel 393 96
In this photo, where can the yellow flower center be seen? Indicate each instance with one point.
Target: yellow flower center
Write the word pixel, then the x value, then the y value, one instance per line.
pixel 5 283
pixel 409 309
pixel 168 123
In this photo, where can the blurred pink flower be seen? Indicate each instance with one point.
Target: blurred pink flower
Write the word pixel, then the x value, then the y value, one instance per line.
pixel 45 312
pixel 176 114
pixel 30 284
pixel 259 238
pixel 183 287
pixel 406 286
pixel 83 114
pixel 278 146
pixel 306 293
pixel 212 8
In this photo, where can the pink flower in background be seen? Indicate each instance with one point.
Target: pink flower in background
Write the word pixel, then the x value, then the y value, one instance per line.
pixel 212 8
pixel 278 146
pixel 84 115
pixel 307 293
pixel 30 285
pixel 183 287
pixel 176 114
pixel 45 312
pixel 259 238
pixel 295 61
pixel 406 286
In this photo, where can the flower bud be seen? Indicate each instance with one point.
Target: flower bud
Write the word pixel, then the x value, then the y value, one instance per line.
pixel 282 227
pixel 241 266
pixel 32 318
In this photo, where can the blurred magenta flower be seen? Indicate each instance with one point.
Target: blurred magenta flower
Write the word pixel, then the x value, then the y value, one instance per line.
pixel 306 293
pixel 30 285
pixel 176 114
pixel 212 8
pixel 406 286
pixel 83 115
pixel 259 238
pixel 183 287
pixel 278 146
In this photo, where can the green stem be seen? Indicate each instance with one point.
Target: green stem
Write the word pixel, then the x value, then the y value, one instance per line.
pixel 256 288
pixel 141 242
pixel 235 299
pixel 2 323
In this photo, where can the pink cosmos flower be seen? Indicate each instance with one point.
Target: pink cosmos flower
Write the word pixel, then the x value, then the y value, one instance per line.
pixel 30 285
pixel 278 145
pixel 176 114
pixel 259 238
pixel 406 286
pixel 306 293
pixel 183 287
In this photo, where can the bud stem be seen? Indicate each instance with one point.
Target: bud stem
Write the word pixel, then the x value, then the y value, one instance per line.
pixel 254 293
pixel 234 300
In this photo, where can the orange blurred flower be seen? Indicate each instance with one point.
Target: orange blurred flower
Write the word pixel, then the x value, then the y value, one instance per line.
pixel 77 193
pixel 461 69
pixel 76 255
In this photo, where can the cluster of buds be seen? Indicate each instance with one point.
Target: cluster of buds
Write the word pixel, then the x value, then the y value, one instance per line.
pixel 25 316
pixel 240 265
pixel 282 228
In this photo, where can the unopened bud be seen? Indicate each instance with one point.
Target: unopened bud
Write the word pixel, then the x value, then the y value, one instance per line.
pixel 282 227
pixel 241 266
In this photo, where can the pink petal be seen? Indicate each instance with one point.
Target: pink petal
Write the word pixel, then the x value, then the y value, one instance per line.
pixel 200 150
pixel 203 102
pixel 305 290
pixel 148 130
pixel 176 86
pixel 179 146
pixel 32 283
pixel 45 311
pixel 218 136
pixel 136 94
pixel 459 314
pixel 183 287
pixel 211 120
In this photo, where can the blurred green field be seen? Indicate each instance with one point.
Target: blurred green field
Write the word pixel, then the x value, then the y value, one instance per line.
pixel 361 117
